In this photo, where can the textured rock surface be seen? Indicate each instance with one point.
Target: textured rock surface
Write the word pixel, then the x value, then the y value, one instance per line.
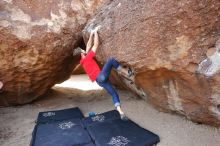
pixel 36 42
pixel 174 48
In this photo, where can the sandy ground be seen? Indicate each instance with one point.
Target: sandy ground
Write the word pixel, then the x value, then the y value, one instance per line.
pixel 17 122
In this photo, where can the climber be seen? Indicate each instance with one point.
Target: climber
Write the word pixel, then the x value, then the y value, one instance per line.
pixel 1 85
pixel 102 76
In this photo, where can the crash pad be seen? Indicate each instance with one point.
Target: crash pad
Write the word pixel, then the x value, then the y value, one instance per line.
pixel 117 132
pixel 69 128
pixel 100 118
pixel 61 133
pixel 58 115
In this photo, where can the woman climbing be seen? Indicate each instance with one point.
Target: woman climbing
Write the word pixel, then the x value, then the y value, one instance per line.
pixel 102 76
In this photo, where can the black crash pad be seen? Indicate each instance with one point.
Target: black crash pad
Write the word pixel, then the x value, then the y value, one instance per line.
pixel 121 133
pixel 66 128
pixel 61 133
pixel 100 118
pixel 59 115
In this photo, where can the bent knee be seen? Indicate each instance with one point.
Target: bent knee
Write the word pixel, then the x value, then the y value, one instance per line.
pixel 101 78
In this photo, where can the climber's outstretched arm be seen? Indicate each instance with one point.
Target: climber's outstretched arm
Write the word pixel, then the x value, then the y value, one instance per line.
pixel 89 43
pixel 96 41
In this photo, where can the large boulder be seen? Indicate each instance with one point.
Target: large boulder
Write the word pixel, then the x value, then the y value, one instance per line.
pixel 36 43
pixel 173 47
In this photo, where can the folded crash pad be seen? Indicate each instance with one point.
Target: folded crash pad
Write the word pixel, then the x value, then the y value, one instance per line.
pixel 100 118
pixel 61 133
pixel 121 133
pixel 58 115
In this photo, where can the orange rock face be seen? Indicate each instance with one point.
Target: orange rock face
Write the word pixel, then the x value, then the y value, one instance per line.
pixel 36 43
pixel 174 49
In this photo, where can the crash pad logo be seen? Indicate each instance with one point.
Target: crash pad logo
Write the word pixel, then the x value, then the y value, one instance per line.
pixel 49 114
pixel 99 118
pixel 119 141
pixel 66 125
